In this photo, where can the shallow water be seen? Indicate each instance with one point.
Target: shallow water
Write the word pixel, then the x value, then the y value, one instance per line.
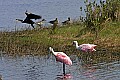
pixel 48 9
pixel 46 68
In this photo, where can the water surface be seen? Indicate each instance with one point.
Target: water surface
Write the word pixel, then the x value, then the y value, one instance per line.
pixel 48 9
pixel 46 68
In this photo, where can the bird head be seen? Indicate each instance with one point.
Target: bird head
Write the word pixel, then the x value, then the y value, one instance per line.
pixel 19 20
pixel 75 42
pixel 56 19
pixel 50 49
pixel 27 13
pixel 69 18
pixel 43 20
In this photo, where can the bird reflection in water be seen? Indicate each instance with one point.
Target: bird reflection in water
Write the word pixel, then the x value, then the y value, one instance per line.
pixel 67 76
pixel 89 71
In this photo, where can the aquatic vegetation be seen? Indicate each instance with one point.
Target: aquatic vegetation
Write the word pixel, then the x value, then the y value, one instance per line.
pixel 98 14
pixel 37 41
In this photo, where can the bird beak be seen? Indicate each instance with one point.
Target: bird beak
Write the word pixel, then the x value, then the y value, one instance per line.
pixel 44 20
pixel 73 43
pixel 94 50
pixel 49 54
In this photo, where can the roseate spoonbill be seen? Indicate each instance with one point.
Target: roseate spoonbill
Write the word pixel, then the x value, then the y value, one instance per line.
pixel 67 21
pixel 28 21
pixel 61 57
pixel 32 16
pixel 85 47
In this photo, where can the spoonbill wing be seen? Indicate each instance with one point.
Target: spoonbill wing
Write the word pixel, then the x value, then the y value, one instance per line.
pixel 62 57
pixel 87 46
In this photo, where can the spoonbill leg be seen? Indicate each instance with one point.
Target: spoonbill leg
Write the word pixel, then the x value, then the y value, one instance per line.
pixel 63 69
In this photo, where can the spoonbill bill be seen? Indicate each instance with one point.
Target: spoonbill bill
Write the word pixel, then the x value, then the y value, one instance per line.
pixel 85 47
pixel 61 57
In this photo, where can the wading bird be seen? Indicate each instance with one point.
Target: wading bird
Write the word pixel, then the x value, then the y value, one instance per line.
pixel 67 21
pixel 32 16
pixel 85 47
pixel 54 21
pixel 40 23
pixel 28 21
pixel 61 57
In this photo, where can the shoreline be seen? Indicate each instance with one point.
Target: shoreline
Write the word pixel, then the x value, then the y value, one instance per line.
pixel 35 40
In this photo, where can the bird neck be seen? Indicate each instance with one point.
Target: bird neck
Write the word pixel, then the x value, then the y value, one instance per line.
pixel 26 13
pixel 68 19
pixel 52 51
pixel 76 44
pixel 19 20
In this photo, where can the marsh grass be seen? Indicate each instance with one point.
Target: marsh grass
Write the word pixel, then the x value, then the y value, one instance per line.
pixel 36 42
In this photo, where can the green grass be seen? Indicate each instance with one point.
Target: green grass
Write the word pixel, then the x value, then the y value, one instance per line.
pixel 111 30
pixel 63 37
pixel 37 42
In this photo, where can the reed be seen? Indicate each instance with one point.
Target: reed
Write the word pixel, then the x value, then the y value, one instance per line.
pixel 98 14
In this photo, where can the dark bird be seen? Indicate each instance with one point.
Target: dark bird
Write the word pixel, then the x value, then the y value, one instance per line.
pixel 32 16
pixel 67 21
pixel 28 21
pixel 40 23
pixel 54 22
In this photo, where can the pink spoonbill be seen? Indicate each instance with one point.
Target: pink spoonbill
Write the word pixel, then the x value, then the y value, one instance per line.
pixel 85 47
pixel 61 57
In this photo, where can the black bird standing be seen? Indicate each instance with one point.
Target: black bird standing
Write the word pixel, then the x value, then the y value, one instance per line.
pixel 55 23
pixel 28 21
pixel 32 16
pixel 66 22
pixel 40 23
